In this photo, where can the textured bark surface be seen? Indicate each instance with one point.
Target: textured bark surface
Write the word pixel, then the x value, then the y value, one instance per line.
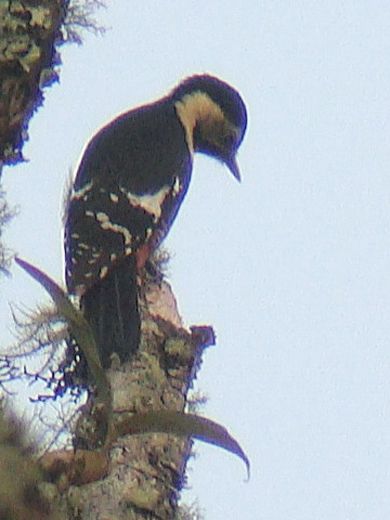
pixel 145 472
pixel 28 30
pixel 20 498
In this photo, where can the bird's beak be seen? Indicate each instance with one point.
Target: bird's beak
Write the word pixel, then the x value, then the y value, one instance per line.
pixel 233 167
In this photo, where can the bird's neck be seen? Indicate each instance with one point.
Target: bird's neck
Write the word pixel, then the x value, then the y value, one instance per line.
pixel 196 109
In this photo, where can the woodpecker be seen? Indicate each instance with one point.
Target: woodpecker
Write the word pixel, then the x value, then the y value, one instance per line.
pixel 129 185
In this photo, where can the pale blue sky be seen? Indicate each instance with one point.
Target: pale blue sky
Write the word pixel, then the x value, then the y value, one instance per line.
pixel 291 267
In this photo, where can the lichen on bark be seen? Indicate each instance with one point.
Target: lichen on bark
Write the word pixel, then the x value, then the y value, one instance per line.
pixel 28 31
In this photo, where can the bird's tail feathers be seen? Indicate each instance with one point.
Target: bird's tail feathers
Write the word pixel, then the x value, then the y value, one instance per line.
pixel 111 308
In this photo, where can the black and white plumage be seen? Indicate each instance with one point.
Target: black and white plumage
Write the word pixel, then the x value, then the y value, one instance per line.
pixel 130 183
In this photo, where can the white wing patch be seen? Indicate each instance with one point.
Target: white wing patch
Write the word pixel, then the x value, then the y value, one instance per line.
pixel 151 203
pixel 103 271
pixel 82 192
pixel 176 186
pixel 105 223
pixel 91 263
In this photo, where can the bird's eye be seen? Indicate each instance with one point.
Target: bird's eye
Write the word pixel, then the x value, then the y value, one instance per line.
pixel 229 140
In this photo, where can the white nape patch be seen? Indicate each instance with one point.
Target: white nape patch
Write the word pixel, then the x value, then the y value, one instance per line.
pixel 193 109
pixel 80 194
pixel 151 203
pixel 114 197
pixel 106 224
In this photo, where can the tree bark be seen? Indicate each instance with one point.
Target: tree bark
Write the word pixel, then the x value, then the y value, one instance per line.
pixel 145 473
pixel 28 31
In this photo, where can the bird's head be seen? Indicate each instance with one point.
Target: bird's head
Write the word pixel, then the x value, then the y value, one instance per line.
pixel 214 117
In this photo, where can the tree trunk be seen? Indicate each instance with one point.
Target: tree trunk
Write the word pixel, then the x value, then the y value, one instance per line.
pixel 145 472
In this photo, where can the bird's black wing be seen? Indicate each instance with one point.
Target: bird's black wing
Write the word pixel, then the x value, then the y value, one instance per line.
pixel 128 189
pixel 129 186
